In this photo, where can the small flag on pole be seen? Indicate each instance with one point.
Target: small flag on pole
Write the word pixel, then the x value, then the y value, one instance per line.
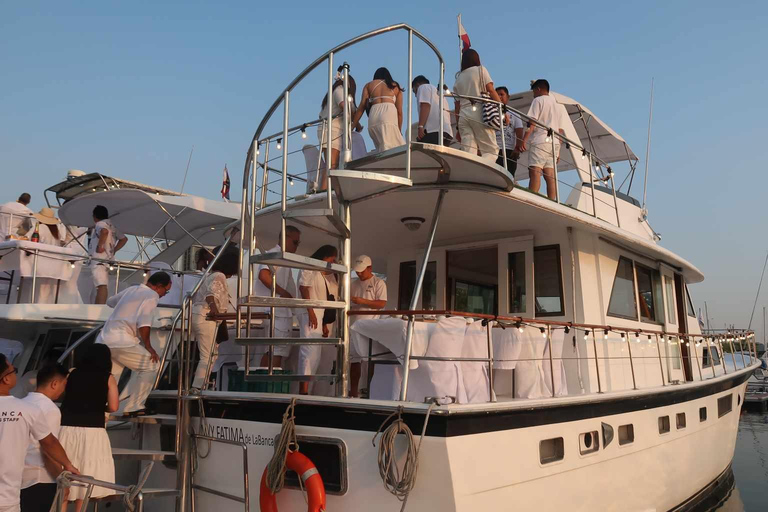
pixel 463 36
pixel 225 185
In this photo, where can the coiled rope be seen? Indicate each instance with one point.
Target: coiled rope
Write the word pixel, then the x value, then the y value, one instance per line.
pixel 399 482
pixel 287 442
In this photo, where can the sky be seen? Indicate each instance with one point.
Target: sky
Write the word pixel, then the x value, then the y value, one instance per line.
pixel 128 89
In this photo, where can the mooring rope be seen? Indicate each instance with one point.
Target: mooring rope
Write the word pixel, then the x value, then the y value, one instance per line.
pixel 286 443
pixel 397 481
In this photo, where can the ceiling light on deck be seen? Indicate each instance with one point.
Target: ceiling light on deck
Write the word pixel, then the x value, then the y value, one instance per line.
pixel 412 223
pixel 279 143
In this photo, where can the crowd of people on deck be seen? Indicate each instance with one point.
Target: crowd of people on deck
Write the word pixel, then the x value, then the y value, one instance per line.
pixel 464 127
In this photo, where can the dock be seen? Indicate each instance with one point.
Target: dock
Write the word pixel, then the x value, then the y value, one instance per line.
pixel 756 402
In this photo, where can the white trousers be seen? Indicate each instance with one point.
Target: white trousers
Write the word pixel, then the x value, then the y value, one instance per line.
pixel 309 355
pixel 204 332
pixel 476 135
pixel 137 359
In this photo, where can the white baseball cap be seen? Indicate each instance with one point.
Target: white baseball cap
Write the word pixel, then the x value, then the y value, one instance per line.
pixel 361 263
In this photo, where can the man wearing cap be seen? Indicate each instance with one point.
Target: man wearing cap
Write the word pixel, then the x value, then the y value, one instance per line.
pixel 367 292
pixel 15 218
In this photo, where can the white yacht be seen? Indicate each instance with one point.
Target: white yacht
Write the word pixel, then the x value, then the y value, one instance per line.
pixel 544 354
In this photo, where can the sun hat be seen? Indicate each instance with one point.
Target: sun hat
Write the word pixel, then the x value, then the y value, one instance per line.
pixel 46 216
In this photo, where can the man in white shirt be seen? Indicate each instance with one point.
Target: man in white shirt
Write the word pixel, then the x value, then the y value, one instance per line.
pixel 367 292
pixel 545 110
pixel 513 134
pixel 428 101
pixel 38 483
pixel 285 286
pixel 126 330
pixel 104 243
pixel 20 422
pixel 16 218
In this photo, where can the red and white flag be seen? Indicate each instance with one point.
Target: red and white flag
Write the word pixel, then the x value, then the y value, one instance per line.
pixel 463 36
pixel 225 185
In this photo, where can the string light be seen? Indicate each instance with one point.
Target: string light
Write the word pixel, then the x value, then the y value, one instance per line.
pixel 586 335
pixel 519 326
pixel 474 107
pixel 649 339
pixel 111 267
pixel 549 135
pixel 290 181
pixel 304 133
pixel 257 150
pixel 72 265
pixel 279 143
pixel 622 336
pixel 145 273
pixel 543 333
pixel 605 334
pixel 583 154
pixel 567 329
pixel 610 172
pixel 637 337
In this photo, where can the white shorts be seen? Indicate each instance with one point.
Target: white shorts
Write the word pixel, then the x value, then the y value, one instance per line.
pixel 100 275
pixel 540 155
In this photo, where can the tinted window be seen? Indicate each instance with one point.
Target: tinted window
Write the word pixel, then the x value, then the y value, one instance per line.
pixel 517 292
pixel 691 311
pixel 472 280
pixel 548 283
pixel 671 305
pixel 649 294
pixel 622 303
pixel 408 282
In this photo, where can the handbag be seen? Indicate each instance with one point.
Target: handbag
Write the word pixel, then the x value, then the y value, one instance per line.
pixel 222 333
pixel 491 116
pixel 329 316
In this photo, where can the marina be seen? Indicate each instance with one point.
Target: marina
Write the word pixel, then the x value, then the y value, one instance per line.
pixel 401 319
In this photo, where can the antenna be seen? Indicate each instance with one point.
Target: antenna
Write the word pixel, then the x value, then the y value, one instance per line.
pixel 186 171
pixel 647 154
pixel 758 292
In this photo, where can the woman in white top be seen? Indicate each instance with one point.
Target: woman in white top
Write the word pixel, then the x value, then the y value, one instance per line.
pixel 383 100
pixel 474 80
pixel 337 120
pixel 212 298
pixel 50 231
pixel 313 284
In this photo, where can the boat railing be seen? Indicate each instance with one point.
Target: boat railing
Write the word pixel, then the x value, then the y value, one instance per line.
pixel 632 343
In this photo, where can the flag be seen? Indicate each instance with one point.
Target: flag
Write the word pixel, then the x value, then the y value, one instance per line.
pixel 225 185
pixel 463 36
pixel 700 318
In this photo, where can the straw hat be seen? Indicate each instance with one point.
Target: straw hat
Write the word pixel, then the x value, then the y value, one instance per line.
pixel 47 216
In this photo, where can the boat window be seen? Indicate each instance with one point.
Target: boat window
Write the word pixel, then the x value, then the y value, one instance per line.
pixel 705 354
pixel 626 434
pixel 551 450
pixel 680 420
pixel 649 294
pixel 702 414
pixel 517 291
pixel 622 303
pixel 663 424
pixel 548 281
pixel 691 311
pixel 670 285
pixel 473 280
pixel 408 281
pixel 589 442
pixel 724 405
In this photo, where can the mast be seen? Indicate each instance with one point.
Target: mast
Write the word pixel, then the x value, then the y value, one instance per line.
pixel 647 154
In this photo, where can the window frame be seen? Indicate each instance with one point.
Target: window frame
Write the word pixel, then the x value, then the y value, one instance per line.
pixel 656 281
pixel 558 256
pixel 401 292
pixel 634 291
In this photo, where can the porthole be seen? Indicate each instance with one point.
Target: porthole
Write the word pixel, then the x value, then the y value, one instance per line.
pixel 626 434
pixel 724 405
pixel 551 450
pixel 680 420
pixel 663 424
pixel 589 442
pixel 702 414
pixel 738 399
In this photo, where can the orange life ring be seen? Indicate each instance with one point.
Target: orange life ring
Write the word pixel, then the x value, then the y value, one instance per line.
pixel 310 478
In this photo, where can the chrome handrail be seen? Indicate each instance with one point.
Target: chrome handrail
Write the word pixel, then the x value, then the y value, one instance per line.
pixel 77 343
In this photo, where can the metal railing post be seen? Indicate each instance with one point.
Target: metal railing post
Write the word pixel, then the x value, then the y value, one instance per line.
pixel 329 133
pixel 409 128
pixel 722 355
pixel 265 178
pixel 680 354
pixel 692 346
pixel 491 394
pixel 284 190
pixel 346 152
pixel 661 365
pixel 441 103
pixel 415 297
pixel 551 364
pixel 615 200
pixel 592 184
pixel 741 351
pixel 503 138
pixel 343 366
pixel 117 279
pixel 597 364
pixel 733 353
pixel 631 362
pixel 554 167
pixel 34 276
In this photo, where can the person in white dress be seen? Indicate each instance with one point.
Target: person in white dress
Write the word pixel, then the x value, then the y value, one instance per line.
pixel 337 123
pixel 383 100
pixel 285 286
pixel 15 218
pixel 475 136
pixel 51 232
pixel 313 285
pixel 212 298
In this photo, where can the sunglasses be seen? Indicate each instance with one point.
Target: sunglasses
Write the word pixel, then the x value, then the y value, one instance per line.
pixel 15 370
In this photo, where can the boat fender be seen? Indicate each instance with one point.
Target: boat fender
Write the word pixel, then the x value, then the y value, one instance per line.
pixel 310 479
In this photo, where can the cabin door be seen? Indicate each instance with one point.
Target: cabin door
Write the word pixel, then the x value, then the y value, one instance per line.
pixel 682 324
pixel 515 263
pixel 672 323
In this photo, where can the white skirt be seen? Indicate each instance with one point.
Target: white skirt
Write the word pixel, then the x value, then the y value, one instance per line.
pixel 383 127
pixel 90 451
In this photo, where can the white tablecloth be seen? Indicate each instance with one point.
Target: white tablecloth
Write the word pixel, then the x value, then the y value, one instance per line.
pixel 54 263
